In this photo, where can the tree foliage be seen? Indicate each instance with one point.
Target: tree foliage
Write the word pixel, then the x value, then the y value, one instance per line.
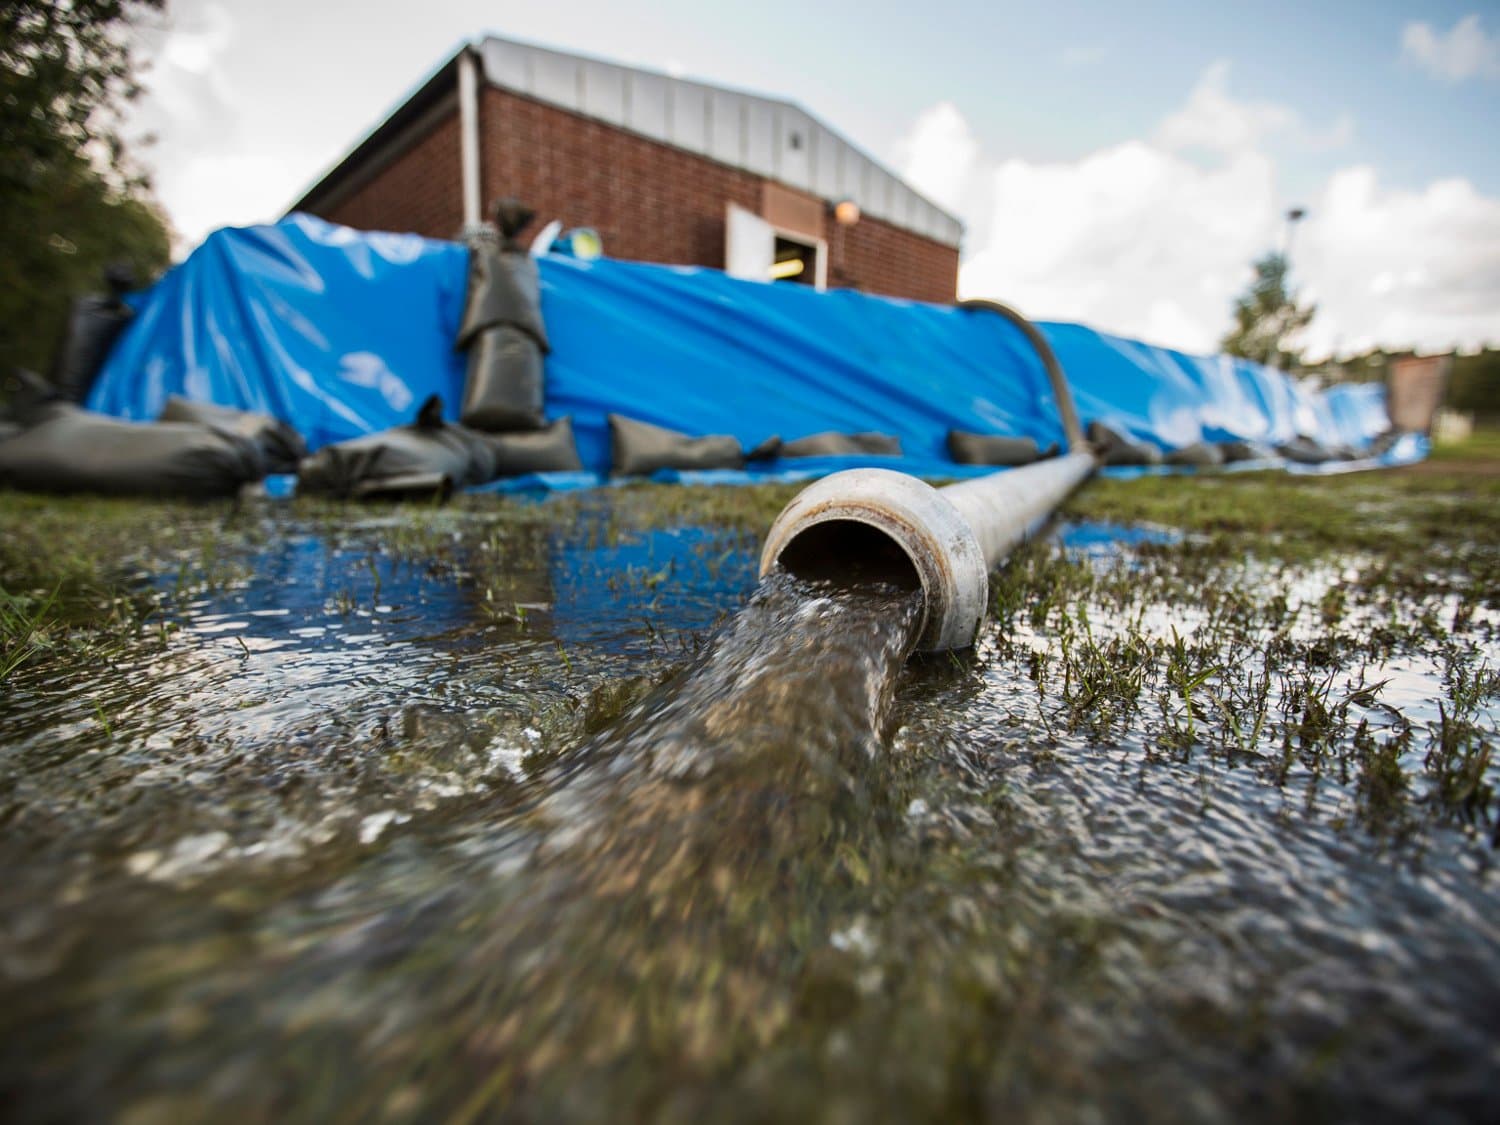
pixel 70 199
pixel 1267 318
pixel 1475 384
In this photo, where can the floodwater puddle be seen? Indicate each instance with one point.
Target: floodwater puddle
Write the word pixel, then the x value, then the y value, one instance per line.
pixel 467 817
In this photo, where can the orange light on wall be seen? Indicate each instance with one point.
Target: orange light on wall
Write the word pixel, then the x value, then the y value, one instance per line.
pixel 846 212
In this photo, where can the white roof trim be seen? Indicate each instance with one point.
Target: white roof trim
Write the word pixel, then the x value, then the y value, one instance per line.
pixel 769 137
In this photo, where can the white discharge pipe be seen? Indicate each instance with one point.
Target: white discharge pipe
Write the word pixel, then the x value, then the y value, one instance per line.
pixel 468 136
pixel 953 537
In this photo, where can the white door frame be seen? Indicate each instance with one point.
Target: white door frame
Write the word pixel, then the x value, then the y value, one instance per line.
pixel 744 228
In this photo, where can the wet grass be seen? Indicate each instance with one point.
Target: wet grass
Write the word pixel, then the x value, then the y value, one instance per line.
pixel 1407 560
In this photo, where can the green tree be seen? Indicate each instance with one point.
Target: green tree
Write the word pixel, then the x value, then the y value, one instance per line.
pixel 1475 384
pixel 1267 317
pixel 70 198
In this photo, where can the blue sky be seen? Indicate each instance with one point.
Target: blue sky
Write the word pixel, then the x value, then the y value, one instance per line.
pixel 1056 80
pixel 1188 126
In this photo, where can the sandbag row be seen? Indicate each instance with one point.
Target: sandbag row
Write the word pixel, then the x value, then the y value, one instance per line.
pixel 1116 448
pixel 60 447
pixel 281 446
pixel 640 448
pixel 197 449
pixel 433 457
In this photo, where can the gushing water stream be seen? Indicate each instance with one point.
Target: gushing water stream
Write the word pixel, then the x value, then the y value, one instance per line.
pixel 686 853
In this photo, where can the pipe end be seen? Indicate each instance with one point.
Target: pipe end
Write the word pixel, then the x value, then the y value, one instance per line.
pixel 875 518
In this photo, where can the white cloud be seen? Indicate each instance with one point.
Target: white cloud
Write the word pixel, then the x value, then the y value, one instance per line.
pixel 1464 52
pixel 189 100
pixel 938 156
pixel 1401 267
pixel 1214 121
pixel 223 189
pixel 1153 238
pixel 219 168
pixel 187 94
pixel 1133 239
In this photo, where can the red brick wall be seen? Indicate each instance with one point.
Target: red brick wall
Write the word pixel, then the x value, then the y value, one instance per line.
pixel 650 202
pixel 421 190
pixel 880 258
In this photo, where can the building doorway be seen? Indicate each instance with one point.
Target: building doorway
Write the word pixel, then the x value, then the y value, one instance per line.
pixel 756 250
pixel 794 260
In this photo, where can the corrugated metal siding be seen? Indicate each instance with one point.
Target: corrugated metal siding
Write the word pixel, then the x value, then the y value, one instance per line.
pixel 771 138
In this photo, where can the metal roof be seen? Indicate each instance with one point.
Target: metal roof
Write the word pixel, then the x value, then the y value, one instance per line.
pixel 767 136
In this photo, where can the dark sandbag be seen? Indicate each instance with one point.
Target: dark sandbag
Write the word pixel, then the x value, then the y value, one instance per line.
pixel 427 457
pixel 767 450
pixel 552 450
pixel 72 450
pixel 641 448
pixel 1234 451
pixel 1114 448
pixel 32 398
pixel 1306 451
pixel 94 324
pixel 832 444
pixel 504 288
pixel 504 386
pixel 1201 455
pixel 281 445
pixel 993 449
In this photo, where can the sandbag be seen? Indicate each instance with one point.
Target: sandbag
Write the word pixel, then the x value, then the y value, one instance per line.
pixel 552 450
pixel 1114 448
pixel 504 288
pixel 1234 451
pixel 641 448
pixel 1306 451
pixel 833 444
pixel 504 386
pixel 993 449
pixel 68 449
pixel 281 445
pixel 1201 455
pixel 427 457
pixel 94 324
pixel 767 450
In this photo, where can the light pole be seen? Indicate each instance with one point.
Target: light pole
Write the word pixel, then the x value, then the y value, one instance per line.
pixel 1293 217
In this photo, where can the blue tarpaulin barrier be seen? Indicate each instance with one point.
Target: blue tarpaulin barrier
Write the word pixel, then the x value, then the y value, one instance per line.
pixel 343 333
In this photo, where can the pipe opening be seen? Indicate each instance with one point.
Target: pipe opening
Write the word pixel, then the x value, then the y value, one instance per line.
pixel 849 552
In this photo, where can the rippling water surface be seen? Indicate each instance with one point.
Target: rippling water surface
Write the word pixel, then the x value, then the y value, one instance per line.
pixel 606 830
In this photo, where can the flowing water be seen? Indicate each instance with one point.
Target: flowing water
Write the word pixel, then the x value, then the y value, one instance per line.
pixel 376 838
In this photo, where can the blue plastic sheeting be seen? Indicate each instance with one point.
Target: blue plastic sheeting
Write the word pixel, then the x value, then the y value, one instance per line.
pixel 1173 399
pixel 338 332
pixel 343 333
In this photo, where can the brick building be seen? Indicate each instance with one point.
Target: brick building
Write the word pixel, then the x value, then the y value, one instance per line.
pixel 666 170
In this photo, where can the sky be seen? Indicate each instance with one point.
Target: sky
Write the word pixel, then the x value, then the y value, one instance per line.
pixel 1115 164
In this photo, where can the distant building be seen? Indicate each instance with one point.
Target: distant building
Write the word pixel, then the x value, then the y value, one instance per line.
pixel 666 170
pixel 1415 389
